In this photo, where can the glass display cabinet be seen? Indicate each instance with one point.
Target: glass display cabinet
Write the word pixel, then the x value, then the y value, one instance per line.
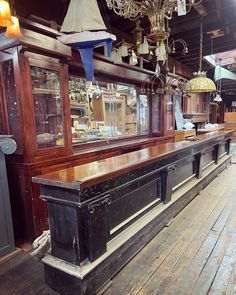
pixel 35 109
pixel 48 90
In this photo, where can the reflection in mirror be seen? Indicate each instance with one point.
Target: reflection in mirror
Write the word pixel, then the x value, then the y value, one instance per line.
pixel 156 113
pixel 105 111
pixel 143 114
pixel 169 112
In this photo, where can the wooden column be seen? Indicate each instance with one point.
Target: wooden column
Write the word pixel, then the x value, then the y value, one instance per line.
pixel 167 186
pixel 7 244
pixel 198 158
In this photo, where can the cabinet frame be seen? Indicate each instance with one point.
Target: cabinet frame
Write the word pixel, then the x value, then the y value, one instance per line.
pixel 30 59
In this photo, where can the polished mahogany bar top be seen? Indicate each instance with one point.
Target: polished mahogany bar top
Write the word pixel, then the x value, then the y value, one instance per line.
pixel 80 177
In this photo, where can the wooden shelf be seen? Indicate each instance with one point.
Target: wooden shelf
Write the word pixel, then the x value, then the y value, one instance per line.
pixel 44 91
pixel 181 135
pixel 77 106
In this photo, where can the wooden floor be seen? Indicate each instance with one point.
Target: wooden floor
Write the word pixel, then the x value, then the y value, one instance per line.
pixel 233 152
pixel 195 254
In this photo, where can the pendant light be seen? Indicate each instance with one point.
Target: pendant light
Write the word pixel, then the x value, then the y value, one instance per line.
pixel 200 83
pixel 161 52
pixel 123 49
pixel 115 56
pixel 5 14
pixel 143 48
pixel 218 83
pixel 133 59
pixel 13 31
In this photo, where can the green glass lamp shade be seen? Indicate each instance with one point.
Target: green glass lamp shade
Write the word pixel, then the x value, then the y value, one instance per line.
pixel 200 83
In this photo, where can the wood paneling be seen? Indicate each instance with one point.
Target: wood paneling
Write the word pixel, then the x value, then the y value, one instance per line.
pixel 122 249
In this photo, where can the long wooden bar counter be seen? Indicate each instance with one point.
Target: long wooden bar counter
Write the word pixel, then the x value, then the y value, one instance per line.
pixel 102 213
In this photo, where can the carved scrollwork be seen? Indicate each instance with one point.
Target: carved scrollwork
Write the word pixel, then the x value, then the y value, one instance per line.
pixel 92 206
pixel 171 168
pixel 7 145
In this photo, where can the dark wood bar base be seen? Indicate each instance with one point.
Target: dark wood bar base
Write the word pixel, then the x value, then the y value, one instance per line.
pixel 103 213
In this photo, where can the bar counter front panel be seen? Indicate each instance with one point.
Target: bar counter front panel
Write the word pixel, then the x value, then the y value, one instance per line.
pixel 102 213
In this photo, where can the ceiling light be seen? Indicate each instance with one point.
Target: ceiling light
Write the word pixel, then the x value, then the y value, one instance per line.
pixel 218 98
pixel 157 11
pixel 218 95
pixel 13 31
pixel 5 14
pixel 116 56
pixel 123 49
pixel 143 47
pixel 133 60
pixel 200 83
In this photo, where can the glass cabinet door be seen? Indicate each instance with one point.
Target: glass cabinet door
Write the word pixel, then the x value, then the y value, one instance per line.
pixel 48 107
pixel 11 103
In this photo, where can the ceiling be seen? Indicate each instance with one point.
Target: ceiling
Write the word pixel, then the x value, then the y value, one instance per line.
pixel 219 26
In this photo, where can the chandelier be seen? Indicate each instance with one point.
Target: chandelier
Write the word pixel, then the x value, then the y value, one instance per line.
pixel 141 50
pixel 157 11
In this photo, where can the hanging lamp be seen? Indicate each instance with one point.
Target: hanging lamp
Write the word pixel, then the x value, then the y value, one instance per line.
pixel 133 59
pixel 200 82
pixel 14 31
pixel 123 49
pixel 218 83
pixel 5 14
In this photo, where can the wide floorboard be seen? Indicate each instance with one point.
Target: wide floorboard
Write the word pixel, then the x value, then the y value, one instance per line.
pixel 194 254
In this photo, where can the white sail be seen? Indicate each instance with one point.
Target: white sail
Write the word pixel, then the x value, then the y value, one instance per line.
pixel 83 15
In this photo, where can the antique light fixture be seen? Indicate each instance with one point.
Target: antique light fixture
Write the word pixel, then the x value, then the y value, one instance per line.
pixel 200 83
pixel 157 11
pixel 218 83
pixel 14 31
pixel 156 41
pixel 172 46
pixel 9 21
pixel 5 14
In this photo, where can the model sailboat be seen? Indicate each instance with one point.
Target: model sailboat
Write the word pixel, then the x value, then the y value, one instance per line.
pixel 84 30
